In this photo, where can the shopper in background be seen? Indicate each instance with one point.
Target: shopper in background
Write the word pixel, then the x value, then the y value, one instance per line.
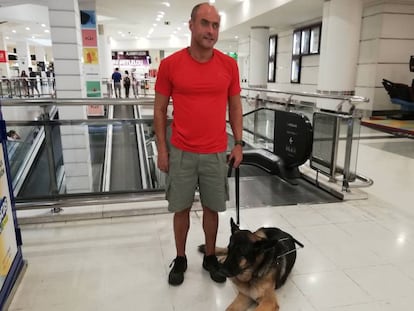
pixel 134 85
pixel 24 83
pixel 127 84
pixel 203 83
pixel 33 82
pixel 117 77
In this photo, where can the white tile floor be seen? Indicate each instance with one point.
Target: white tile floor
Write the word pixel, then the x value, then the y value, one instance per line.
pixel 358 255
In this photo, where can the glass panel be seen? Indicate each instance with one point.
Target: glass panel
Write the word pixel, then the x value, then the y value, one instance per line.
pixel 56 157
pixel 272 60
pixel 296 43
pixel 259 128
pixel 304 48
pixel 324 127
pixel 295 70
pixel 314 39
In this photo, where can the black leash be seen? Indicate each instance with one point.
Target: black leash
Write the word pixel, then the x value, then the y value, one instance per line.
pixel 292 250
pixel 237 187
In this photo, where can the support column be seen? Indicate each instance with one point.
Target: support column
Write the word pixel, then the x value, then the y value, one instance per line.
pixel 341 29
pixel 105 56
pixel 4 61
pixel 23 56
pixel 259 49
pixel 70 83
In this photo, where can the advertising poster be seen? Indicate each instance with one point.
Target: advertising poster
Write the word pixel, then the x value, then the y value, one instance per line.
pixel 88 19
pixel 89 37
pixel 93 89
pixel 90 56
pixel 8 243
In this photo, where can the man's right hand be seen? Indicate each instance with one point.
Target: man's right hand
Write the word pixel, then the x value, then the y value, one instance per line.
pixel 163 162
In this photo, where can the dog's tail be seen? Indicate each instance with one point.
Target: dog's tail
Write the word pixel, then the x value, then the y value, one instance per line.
pixel 220 251
pixel 202 248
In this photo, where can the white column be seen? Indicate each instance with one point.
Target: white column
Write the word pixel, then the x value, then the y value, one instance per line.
pixel 67 51
pixel 341 29
pixel 4 66
pixel 259 49
pixel 23 56
pixel 40 53
pixel 105 56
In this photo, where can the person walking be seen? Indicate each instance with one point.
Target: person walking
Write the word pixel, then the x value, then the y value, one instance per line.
pixel 33 82
pixel 203 84
pixel 24 82
pixel 127 84
pixel 117 77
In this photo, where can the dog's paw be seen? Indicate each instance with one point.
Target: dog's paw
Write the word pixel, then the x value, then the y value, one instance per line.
pixel 202 248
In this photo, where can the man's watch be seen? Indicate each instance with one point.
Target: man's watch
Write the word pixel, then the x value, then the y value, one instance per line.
pixel 239 142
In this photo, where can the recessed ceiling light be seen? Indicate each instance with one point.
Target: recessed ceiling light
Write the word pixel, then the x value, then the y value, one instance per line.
pixel 167 4
pixel 43 25
pixel 27 28
pixel 47 31
pixel 13 31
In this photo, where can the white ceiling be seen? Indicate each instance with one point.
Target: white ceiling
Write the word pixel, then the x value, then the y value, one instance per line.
pixel 126 20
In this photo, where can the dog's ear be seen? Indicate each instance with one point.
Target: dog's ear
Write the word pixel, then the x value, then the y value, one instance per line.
pixel 233 226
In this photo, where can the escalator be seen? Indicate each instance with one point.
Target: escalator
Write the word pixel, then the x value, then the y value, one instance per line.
pixel 125 164
pixel 38 182
pixel 269 177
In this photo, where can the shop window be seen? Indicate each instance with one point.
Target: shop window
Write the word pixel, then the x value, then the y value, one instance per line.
pixel 306 41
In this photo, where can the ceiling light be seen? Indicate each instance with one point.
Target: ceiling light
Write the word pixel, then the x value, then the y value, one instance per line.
pixel 47 30
pixel 43 25
pixel 27 28
pixel 167 4
pixel 13 31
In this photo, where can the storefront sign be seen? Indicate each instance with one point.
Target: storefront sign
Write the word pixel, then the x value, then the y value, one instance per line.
pixel 3 56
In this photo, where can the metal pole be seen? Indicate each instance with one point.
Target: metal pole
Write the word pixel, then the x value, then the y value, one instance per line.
pixel 50 154
pixel 348 152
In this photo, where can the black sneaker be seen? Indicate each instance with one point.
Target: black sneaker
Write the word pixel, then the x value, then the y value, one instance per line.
pixel 176 276
pixel 211 264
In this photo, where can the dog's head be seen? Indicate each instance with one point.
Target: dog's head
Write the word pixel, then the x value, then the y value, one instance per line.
pixel 244 252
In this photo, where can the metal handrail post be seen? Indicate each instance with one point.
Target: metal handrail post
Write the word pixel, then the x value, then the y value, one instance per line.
pixel 334 155
pixel 50 153
pixel 348 152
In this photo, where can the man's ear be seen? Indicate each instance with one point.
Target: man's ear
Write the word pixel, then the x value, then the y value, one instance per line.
pixel 233 226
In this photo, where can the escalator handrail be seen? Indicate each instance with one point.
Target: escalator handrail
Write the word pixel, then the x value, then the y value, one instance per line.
pixel 106 175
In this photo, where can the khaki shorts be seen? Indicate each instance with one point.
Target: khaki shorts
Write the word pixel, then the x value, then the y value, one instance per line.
pixel 187 171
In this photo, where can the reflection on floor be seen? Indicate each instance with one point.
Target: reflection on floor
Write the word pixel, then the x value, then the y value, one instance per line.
pixel 358 255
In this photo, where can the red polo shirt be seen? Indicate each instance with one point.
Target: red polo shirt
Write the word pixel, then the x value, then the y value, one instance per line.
pixel 200 93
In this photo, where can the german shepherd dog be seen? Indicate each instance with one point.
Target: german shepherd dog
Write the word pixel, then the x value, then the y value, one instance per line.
pixel 257 263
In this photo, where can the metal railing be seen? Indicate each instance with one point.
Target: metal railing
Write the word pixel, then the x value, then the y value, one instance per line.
pixel 341 164
pixel 258 132
pixel 26 87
